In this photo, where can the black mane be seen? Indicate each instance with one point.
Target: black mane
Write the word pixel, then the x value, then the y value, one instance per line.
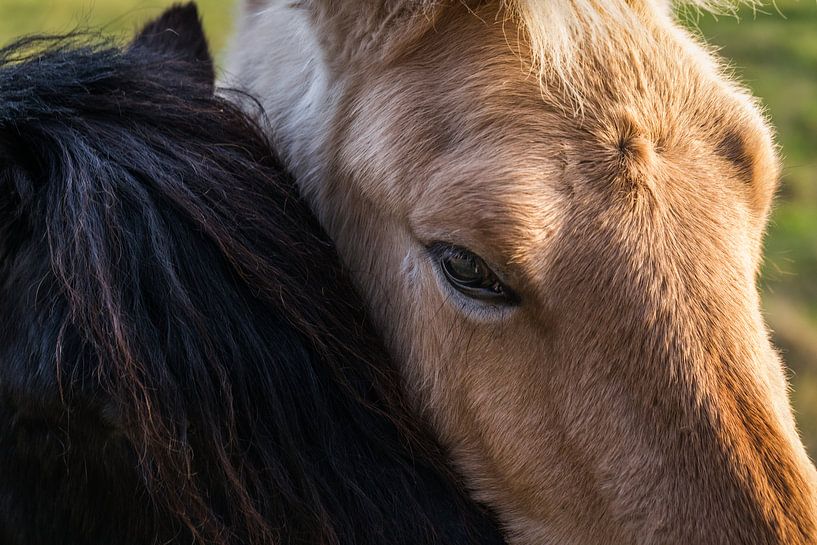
pixel 181 357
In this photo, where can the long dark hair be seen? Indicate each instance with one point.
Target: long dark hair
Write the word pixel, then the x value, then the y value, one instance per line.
pixel 181 357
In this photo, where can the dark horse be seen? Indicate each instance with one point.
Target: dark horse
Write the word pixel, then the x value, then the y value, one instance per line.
pixel 181 358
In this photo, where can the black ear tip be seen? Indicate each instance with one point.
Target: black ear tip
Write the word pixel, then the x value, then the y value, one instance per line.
pixel 183 13
pixel 177 32
pixel 179 18
pixel 178 29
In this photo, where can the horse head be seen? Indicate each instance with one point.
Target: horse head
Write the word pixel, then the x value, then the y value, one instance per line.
pixel 556 211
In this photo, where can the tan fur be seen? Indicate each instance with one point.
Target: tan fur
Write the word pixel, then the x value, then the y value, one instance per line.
pixel 633 397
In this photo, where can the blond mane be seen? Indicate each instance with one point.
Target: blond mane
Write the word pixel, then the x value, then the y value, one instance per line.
pixel 561 32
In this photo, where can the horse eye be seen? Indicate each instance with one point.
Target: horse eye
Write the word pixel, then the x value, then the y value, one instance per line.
pixel 470 275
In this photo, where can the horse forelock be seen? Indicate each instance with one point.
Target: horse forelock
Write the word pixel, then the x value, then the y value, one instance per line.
pixel 564 36
pixel 560 33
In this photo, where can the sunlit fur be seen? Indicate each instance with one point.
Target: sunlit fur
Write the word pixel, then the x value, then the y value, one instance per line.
pixel 596 157
pixel 182 359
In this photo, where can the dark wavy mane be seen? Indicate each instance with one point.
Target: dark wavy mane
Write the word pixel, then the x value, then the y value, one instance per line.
pixel 181 357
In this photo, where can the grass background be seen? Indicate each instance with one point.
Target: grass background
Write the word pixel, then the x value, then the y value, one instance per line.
pixel 774 51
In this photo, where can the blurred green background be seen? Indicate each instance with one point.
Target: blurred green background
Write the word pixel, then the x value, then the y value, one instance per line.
pixel 774 51
pixel 112 16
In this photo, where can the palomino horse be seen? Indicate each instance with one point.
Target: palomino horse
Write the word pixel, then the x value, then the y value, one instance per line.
pixel 181 358
pixel 555 209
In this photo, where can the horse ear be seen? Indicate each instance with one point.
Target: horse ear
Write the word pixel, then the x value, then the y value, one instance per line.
pixel 179 34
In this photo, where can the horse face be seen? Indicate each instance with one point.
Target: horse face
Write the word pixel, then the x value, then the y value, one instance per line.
pixel 566 273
